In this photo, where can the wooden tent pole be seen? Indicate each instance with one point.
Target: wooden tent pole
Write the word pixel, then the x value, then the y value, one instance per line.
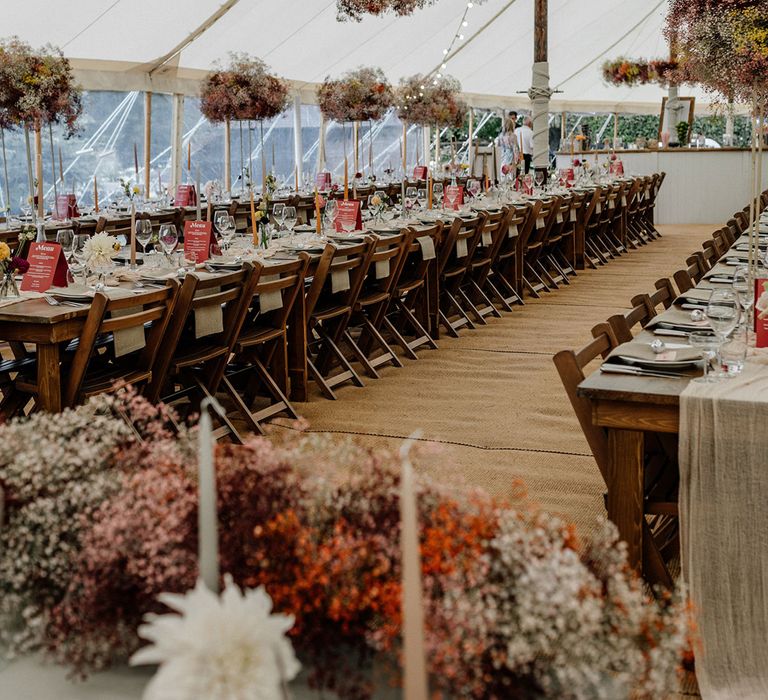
pixel 147 140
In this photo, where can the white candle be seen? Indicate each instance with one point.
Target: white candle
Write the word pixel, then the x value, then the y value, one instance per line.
pixel 198 194
pixel 207 520
pixel 414 661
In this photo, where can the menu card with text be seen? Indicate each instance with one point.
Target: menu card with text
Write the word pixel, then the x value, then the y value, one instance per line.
pixel 349 213
pixel 323 181
pixel 420 172
pixel 186 196
pixel 455 192
pixel 198 239
pixel 761 316
pixel 47 268
pixel 66 207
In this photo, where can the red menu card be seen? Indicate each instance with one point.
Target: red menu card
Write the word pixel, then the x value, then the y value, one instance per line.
pixel 420 172
pixel 198 239
pixel 66 207
pixel 348 212
pixel 47 267
pixel 323 181
pixel 761 312
pixel 459 199
pixel 185 196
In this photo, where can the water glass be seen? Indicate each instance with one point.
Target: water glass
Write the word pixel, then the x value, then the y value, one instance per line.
pixel 290 219
pixel 733 353
pixel 66 239
pixel 708 344
pixel 723 312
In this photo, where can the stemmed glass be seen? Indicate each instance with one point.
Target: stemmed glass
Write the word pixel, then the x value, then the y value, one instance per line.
pixel 745 291
pixel 227 229
pixel 78 253
pixel 66 239
pixel 219 217
pixel 473 187
pixel 452 195
pixel 289 219
pixel 331 212
pixel 437 194
pixel 411 195
pixel 723 312
pixel 278 211
pixel 421 199
pixel 143 233
pixel 169 239
pixel 538 178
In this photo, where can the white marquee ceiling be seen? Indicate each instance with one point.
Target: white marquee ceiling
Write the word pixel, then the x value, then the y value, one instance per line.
pixel 113 44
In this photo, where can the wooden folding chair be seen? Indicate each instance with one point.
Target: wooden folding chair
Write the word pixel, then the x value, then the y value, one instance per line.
pixel 477 287
pixel 454 258
pixel 641 313
pixel 507 271
pixel 329 302
pixel 660 505
pixel 375 297
pixel 258 370
pixel 410 312
pixel 533 270
pixel 205 323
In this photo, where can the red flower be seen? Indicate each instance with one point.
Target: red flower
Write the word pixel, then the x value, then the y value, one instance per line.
pixel 576 163
pixel 504 169
pixel 19 264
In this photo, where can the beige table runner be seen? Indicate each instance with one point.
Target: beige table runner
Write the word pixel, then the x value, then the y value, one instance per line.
pixel 723 457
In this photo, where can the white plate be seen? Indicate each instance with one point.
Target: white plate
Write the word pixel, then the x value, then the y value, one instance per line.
pixel 659 364
pixel 71 294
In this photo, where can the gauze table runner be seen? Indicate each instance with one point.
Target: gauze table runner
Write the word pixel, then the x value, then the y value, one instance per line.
pixel 723 457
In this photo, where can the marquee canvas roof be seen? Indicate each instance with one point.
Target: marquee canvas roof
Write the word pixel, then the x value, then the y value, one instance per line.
pixel 169 45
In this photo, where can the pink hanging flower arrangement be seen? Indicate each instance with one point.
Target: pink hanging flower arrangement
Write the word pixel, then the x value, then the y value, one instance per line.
pixel 360 95
pixel 243 90
pixel 36 87
pixel 625 71
pixel 430 101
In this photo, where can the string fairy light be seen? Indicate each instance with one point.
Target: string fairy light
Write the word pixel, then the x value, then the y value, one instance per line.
pixel 458 36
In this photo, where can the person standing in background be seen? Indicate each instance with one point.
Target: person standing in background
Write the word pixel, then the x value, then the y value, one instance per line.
pixel 507 142
pixel 524 138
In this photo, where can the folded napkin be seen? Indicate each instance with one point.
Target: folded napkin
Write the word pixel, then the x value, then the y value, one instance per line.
pixel 23 296
pixel 697 294
pixel 208 319
pixel 673 352
pixel 679 319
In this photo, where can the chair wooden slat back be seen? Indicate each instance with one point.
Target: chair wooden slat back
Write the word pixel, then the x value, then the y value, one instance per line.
pixel 463 232
pixel 413 266
pixel 181 348
pixel 149 311
pixel 384 267
pixel 516 222
pixel 641 313
pixel 286 279
pixel 570 366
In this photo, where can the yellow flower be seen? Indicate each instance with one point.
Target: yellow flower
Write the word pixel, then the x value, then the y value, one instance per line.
pixel 260 215
pixel 136 189
pixel 376 200
pixel 5 251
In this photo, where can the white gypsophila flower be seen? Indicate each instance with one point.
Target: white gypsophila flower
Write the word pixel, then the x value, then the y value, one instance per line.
pixel 100 249
pixel 219 648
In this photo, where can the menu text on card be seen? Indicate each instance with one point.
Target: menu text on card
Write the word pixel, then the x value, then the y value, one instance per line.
pixel 198 239
pixel 349 217
pixel 47 267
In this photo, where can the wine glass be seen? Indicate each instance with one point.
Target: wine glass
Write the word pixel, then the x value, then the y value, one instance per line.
pixel 707 343
pixel 228 230
pixel 25 206
pixel 66 239
pixel 421 198
pixel 169 239
pixel 331 211
pixel 473 187
pixel 538 178
pixel 143 233
pixel 289 219
pixel 745 291
pixel 437 194
pixel 452 195
pixel 411 195
pixel 723 312
pixel 78 254
pixel 219 217
pixel 278 211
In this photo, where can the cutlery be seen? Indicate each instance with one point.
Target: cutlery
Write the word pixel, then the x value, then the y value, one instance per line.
pixel 63 302
pixel 641 371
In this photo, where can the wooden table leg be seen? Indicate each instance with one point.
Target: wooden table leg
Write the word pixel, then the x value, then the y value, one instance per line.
pixel 297 350
pixel 625 490
pixel 49 377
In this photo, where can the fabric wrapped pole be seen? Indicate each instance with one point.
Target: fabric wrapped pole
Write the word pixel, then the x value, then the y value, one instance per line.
pixel 540 94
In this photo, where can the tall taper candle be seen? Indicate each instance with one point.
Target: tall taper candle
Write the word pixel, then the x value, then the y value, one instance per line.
pixel 136 162
pixel 198 193
pixel 318 217
pixel 133 236
pixel 207 519
pixel 189 156
pixel 414 661
pixel 346 178
pixel 296 178
pixel 429 191
pixel 95 195
pixel 253 221
pixel 61 166
pixel 273 155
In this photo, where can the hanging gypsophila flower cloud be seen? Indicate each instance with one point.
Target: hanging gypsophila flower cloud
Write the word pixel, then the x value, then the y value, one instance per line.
pixel 36 87
pixel 430 101
pixel 360 95
pixel 245 89
pixel 357 9
pixel 722 45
